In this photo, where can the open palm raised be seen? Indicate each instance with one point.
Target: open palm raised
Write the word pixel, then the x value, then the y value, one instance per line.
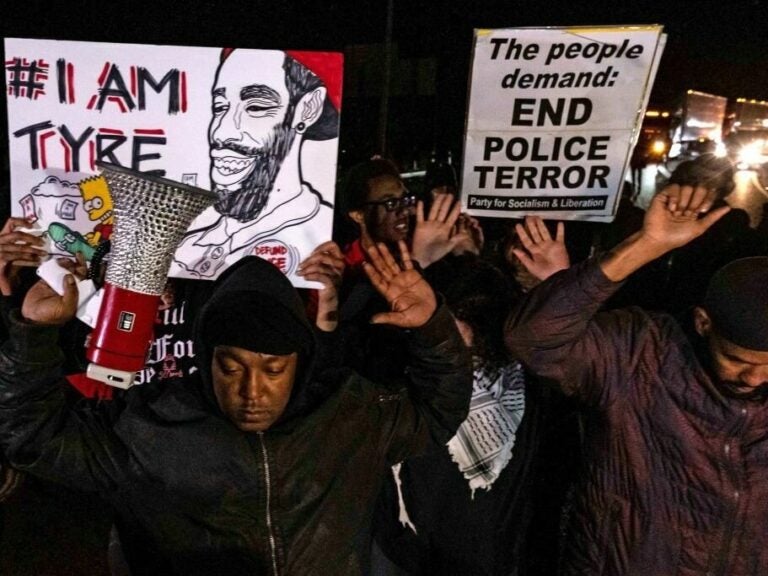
pixel 411 299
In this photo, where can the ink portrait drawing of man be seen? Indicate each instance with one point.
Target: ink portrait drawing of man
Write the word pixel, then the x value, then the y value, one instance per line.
pixel 272 139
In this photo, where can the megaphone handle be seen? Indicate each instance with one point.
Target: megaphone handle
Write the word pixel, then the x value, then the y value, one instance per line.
pixel 124 329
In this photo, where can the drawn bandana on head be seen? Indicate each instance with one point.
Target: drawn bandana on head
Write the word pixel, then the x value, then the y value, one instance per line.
pixel 253 126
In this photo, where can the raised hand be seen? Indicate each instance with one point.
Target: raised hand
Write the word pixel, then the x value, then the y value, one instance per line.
pixel 678 214
pixel 468 236
pixel 542 255
pixel 325 265
pixel 17 249
pixel 433 237
pixel 411 299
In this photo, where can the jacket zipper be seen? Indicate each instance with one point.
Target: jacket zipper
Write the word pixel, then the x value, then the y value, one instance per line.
pixel 272 542
pixel 731 523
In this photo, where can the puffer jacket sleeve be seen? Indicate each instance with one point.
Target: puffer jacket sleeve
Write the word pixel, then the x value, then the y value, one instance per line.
pixel 439 389
pixel 558 333
pixel 43 429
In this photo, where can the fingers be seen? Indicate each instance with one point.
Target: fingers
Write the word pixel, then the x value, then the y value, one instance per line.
pixel 405 255
pixel 420 211
pixel 327 275
pixel 327 258
pixel 454 213
pixel 525 238
pixel 69 298
pixel 477 230
pixel 394 318
pixel 324 260
pixel 437 207
pixel 329 247
pixel 381 266
pixel 20 248
pixel 560 234
pixel 542 228
pixel 710 198
pixel 688 201
pixel 524 258
pixel 714 216
pixel 78 267
pixel 12 223
pixel 82 265
pixel 532 226
pixel 443 209
pixel 682 200
pixel 389 260
pixel 375 277
pixel 21 238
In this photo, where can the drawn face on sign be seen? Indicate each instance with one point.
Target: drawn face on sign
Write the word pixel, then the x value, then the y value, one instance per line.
pixel 250 132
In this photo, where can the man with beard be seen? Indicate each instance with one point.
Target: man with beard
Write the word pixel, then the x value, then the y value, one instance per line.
pixel 260 120
pixel 676 444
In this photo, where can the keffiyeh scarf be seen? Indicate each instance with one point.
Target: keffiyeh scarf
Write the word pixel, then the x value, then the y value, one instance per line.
pixel 483 444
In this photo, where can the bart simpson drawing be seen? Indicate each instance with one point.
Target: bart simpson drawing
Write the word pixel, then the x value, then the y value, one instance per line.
pixel 98 204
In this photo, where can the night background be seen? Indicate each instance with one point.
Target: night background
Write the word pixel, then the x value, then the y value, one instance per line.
pixel 716 47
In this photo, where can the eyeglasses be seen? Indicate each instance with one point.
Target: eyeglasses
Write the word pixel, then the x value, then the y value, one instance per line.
pixel 394 204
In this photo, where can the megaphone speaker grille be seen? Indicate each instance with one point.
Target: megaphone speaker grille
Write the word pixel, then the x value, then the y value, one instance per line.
pixel 151 216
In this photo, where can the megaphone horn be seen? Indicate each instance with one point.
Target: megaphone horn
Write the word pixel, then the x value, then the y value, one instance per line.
pixel 151 215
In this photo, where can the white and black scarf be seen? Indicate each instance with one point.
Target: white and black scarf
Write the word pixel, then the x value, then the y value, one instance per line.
pixel 483 444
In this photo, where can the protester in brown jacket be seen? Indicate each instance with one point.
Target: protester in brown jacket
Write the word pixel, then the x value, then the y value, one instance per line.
pixel 676 474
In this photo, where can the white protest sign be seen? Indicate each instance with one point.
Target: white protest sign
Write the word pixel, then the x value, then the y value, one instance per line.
pixel 553 114
pixel 259 127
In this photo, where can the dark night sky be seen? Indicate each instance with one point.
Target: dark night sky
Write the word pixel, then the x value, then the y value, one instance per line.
pixel 718 47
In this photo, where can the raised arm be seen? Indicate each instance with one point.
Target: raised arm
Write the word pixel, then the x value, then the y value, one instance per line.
pixel 556 331
pixel 40 430
pixel 439 372
pixel 677 215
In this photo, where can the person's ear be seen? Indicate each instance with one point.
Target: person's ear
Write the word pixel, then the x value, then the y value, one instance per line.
pixel 357 217
pixel 309 109
pixel 701 321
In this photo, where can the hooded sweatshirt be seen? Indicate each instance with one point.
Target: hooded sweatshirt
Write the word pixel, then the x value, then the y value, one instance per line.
pixel 193 493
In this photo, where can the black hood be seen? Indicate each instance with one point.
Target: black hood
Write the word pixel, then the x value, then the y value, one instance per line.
pixel 257 279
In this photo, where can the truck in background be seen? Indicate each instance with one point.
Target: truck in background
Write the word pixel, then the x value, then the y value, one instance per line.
pixel 746 129
pixel 697 125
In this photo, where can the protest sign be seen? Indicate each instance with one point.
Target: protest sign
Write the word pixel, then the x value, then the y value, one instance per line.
pixel 553 114
pixel 258 127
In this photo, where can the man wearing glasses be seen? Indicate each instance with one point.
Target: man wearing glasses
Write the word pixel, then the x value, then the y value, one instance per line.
pixel 379 204
pixel 382 210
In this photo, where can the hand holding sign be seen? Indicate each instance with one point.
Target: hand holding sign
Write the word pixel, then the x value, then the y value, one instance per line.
pixel 17 248
pixel 325 265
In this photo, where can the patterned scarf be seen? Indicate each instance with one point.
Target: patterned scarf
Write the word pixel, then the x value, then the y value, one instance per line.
pixel 483 444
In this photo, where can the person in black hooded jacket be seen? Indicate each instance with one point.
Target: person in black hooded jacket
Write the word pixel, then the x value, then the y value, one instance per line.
pixel 258 466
